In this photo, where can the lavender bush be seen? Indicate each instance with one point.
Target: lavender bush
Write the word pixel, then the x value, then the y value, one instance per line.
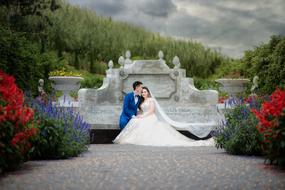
pixel 63 133
pixel 237 134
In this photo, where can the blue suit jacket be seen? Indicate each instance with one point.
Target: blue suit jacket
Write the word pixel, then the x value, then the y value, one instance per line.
pixel 129 109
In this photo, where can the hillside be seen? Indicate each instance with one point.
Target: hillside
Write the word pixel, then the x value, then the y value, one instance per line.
pixel 53 34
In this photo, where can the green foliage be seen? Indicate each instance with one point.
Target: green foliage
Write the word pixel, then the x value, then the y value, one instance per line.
pixel 64 72
pixel 99 68
pixel 11 156
pixel 43 35
pixel 92 81
pixel 49 140
pixel 62 133
pixel 55 142
pixel 21 57
pixel 239 134
pixel 205 84
pixel 267 62
pixel 91 39
pixel 230 69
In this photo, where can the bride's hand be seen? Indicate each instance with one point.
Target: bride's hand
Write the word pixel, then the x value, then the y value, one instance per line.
pixel 139 116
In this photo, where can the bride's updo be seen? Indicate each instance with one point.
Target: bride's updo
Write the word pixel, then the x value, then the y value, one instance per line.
pixel 149 95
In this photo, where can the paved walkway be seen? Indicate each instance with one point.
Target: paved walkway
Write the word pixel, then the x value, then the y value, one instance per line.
pixel 138 167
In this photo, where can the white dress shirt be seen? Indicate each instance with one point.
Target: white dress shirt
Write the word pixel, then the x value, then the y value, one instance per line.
pixel 136 98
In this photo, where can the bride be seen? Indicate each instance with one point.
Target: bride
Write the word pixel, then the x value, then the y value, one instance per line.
pixel 147 129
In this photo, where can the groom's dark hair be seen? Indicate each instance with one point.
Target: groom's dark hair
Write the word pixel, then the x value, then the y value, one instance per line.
pixel 137 83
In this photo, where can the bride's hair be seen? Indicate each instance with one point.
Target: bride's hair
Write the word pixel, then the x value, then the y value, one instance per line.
pixel 144 87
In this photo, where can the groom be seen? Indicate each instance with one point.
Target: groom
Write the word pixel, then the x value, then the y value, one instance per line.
pixel 131 103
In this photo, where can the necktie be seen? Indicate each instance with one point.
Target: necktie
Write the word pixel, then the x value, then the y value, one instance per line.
pixel 136 99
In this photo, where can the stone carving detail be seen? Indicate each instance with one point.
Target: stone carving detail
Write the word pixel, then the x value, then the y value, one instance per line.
pixel 176 62
pixel 41 87
pixel 110 64
pixel 176 73
pixel 121 61
pixel 232 86
pixel 161 85
pixel 109 72
pixel 65 84
pixel 128 60
pixel 254 86
pixel 176 98
pixel 160 56
pixel 122 73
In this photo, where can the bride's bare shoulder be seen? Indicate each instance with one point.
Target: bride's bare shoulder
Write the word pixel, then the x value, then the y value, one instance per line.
pixel 149 100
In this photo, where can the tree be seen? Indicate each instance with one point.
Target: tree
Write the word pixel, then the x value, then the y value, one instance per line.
pixel 267 61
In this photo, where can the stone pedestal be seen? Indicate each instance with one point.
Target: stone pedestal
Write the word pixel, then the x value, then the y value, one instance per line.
pixel 66 84
pixel 232 86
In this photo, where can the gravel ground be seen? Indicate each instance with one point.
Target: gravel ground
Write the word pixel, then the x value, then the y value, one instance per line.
pixel 140 167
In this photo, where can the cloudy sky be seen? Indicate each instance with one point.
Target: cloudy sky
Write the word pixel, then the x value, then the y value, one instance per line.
pixel 230 26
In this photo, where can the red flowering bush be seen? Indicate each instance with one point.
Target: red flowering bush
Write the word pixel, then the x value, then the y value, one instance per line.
pixel 16 126
pixel 272 126
pixel 222 99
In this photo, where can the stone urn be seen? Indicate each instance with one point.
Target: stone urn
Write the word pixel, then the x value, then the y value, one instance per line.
pixel 232 86
pixel 65 84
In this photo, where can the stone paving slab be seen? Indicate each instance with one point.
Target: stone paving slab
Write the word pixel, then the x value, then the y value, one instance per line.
pixel 139 167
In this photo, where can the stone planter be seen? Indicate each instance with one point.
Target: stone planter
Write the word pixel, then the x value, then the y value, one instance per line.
pixel 65 84
pixel 232 86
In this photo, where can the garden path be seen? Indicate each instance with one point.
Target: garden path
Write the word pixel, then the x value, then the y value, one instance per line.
pixel 138 167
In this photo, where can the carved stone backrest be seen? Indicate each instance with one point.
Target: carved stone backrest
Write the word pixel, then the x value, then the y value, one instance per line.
pixel 154 74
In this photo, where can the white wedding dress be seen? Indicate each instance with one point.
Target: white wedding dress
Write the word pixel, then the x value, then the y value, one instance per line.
pixel 151 131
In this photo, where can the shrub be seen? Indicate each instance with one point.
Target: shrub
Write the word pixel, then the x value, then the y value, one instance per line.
pixel 21 58
pixel 205 84
pixel 16 126
pixel 238 133
pixel 272 127
pixel 63 133
pixel 100 67
pixel 267 62
pixel 92 81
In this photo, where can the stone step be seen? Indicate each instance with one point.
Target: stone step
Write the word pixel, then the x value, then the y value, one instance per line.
pixel 106 136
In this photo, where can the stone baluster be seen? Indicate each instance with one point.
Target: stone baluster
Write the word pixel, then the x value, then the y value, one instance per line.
pixel 160 55
pixel 121 61
pixel 110 64
pixel 176 62
pixel 109 71
pixel 128 60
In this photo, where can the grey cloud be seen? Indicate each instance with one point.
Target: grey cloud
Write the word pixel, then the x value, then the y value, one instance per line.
pixel 264 14
pixel 241 27
pixel 232 26
pixel 157 8
pixel 105 7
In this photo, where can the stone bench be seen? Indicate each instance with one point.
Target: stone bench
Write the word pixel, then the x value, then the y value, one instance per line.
pixel 174 91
